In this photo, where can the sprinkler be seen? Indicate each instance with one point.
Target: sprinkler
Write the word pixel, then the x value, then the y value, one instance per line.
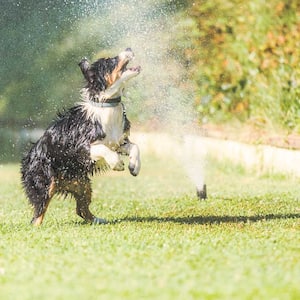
pixel 201 193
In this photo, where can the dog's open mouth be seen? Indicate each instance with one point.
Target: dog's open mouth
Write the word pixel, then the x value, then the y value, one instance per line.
pixel 127 56
pixel 136 69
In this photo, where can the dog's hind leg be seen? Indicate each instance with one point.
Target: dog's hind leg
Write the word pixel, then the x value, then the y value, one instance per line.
pixel 82 191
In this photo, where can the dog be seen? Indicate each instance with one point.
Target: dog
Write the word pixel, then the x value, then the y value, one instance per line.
pixel 86 139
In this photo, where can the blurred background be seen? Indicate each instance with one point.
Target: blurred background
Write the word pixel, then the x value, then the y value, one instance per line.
pixel 206 64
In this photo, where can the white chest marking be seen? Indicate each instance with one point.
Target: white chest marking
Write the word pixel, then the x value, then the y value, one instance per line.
pixel 112 121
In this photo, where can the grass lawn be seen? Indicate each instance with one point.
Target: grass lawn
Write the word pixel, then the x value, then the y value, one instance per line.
pixel 243 242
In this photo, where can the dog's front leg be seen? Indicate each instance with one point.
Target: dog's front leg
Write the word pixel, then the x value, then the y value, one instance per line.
pixel 133 151
pixel 100 151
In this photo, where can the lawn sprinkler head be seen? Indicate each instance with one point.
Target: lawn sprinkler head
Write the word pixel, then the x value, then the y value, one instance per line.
pixel 201 193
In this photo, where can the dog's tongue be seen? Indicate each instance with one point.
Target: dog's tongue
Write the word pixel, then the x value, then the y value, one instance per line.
pixel 136 69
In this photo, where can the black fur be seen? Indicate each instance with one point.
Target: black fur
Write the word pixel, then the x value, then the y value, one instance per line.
pixel 60 162
pixel 95 74
pixel 61 157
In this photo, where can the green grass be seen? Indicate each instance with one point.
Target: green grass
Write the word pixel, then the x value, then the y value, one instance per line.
pixel 162 243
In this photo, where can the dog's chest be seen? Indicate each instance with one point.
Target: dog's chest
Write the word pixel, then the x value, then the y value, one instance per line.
pixel 112 121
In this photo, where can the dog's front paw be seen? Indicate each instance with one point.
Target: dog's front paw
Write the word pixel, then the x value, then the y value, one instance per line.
pixel 134 167
pixel 134 160
pixel 114 161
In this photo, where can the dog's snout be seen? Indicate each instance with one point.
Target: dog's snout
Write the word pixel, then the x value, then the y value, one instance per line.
pixel 130 54
pixel 127 54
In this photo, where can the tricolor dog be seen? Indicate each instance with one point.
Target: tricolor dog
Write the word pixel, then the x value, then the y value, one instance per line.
pixel 87 138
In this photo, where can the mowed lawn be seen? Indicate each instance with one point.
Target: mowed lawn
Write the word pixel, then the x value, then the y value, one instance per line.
pixel 243 242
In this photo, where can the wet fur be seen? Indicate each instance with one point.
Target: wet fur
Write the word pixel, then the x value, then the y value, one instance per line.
pixel 60 162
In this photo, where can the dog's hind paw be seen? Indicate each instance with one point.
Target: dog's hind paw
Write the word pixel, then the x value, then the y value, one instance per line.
pixel 98 221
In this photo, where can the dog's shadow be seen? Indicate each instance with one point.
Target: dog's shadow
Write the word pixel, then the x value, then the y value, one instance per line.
pixel 207 220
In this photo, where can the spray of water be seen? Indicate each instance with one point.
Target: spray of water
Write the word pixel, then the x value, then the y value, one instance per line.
pixel 150 28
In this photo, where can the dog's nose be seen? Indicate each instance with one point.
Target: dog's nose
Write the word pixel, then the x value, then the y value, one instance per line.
pixel 128 49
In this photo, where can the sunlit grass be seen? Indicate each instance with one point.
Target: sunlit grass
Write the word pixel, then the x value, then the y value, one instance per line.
pixel 161 242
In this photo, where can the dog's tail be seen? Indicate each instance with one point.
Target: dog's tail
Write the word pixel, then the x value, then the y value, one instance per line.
pixel 37 177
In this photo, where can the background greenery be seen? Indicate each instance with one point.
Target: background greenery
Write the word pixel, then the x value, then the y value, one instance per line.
pixel 228 61
pixel 246 61
pixel 244 55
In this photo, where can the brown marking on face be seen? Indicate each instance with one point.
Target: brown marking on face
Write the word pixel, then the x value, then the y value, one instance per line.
pixel 115 74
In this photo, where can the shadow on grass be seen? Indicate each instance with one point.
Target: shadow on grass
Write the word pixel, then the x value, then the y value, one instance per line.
pixel 200 220
pixel 207 220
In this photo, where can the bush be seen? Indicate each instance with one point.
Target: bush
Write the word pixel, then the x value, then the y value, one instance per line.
pixel 245 61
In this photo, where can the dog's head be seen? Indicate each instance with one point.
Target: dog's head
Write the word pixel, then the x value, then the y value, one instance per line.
pixel 106 77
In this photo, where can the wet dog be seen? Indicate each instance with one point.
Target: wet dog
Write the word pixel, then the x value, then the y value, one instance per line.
pixel 83 140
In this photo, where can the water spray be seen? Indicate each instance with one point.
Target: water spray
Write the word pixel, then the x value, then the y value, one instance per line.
pixel 164 85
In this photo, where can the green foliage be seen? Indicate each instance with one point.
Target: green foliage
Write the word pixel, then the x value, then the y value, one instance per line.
pixel 245 60
pixel 241 57
pixel 26 34
pixel 242 243
pixel 42 43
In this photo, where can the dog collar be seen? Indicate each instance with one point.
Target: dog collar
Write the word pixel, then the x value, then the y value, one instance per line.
pixel 108 103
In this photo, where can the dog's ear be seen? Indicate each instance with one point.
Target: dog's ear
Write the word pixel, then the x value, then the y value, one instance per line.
pixel 85 69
